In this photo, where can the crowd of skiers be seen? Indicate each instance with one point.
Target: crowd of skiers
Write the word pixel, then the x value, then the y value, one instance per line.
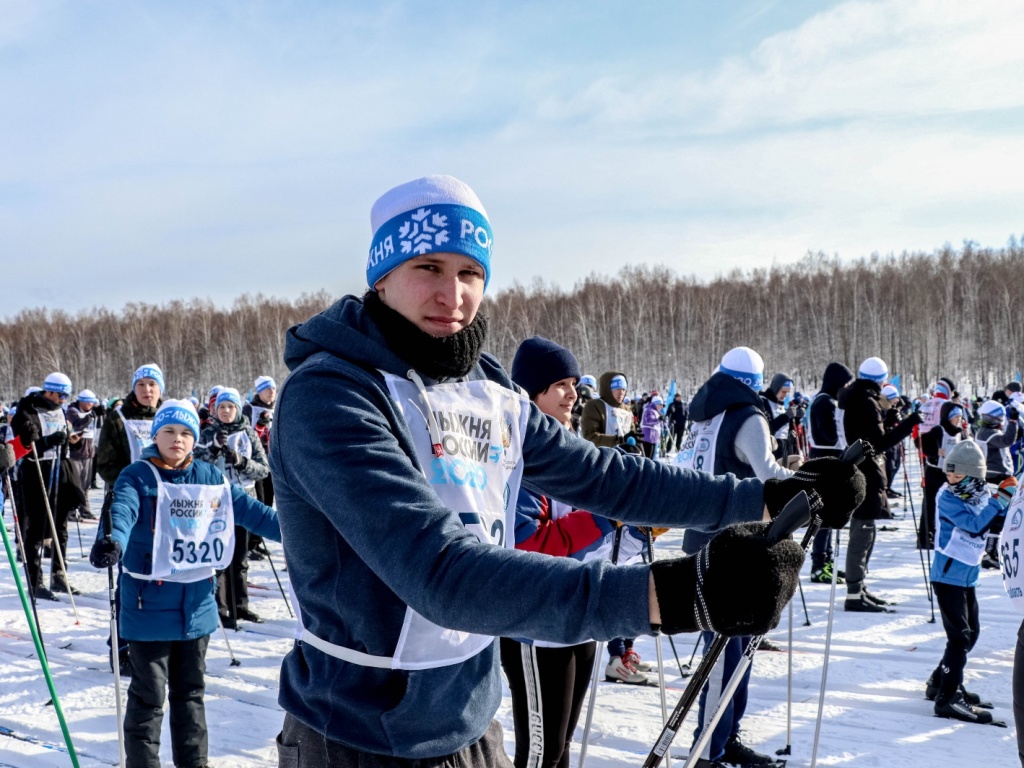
pixel 430 502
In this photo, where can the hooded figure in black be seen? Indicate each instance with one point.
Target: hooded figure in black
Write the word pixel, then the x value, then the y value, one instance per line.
pixel 778 415
pixel 863 419
pixel 824 439
pixel 935 443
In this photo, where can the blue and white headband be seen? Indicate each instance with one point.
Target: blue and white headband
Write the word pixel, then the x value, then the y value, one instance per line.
pixel 435 214
pixel 753 380
pixel 178 412
pixel 618 382
pixel 149 371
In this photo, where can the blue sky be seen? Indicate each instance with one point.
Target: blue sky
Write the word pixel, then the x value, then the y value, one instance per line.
pixel 161 150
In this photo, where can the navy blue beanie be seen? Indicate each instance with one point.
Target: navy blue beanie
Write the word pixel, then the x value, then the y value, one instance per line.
pixel 539 363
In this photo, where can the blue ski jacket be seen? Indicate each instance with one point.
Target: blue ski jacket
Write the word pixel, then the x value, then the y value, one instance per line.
pixel 167 610
pixel 365 536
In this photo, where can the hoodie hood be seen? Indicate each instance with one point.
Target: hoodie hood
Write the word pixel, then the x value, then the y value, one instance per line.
pixel 719 393
pixel 778 382
pixel 857 390
pixel 836 377
pixel 604 384
pixel 344 329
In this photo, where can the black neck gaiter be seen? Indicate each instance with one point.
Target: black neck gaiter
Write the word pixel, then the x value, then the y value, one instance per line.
pixel 439 358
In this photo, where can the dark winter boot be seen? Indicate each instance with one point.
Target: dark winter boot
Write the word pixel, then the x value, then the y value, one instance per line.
pixel 739 754
pixel 955 707
pixel 42 593
pixel 246 615
pixel 859 603
pixel 59 584
pixel 876 599
pixel 931 691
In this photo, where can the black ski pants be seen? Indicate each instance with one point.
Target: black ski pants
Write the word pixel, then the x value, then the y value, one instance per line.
pixel 1018 692
pixel 299 746
pixel 35 523
pixel 232 582
pixel 178 665
pixel 548 686
pixel 934 478
pixel 959 609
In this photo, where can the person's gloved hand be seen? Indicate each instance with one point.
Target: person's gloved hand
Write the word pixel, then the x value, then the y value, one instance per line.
pixel 56 439
pixel 240 462
pixel 735 585
pixel 915 418
pixel 265 419
pixel 7 459
pixel 100 409
pixel 839 484
pixel 230 456
pixel 105 553
pixel 1012 413
pixel 1004 494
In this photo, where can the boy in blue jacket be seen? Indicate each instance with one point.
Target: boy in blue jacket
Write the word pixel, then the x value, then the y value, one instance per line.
pixel 173 521
pixel 964 511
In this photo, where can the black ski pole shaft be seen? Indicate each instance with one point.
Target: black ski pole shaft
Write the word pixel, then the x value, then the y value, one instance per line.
pixel 287 602
pixel 807 616
pixel 672 644
pixel 693 655
pixel 115 641
pixel 926 571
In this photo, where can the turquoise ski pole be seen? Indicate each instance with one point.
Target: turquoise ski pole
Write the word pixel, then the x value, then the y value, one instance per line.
pixel 40 654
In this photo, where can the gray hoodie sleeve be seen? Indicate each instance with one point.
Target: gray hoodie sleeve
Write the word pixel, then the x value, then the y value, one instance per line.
pixel 753 445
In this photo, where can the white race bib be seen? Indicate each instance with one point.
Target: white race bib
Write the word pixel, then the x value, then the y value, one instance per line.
pixel 1010 550
pixel 194 533
pixel 698 451
pixel 51 422
pixel 964 547
pixel 137 431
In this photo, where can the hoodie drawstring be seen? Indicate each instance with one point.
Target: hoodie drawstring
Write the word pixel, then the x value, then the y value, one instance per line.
pixel 432 428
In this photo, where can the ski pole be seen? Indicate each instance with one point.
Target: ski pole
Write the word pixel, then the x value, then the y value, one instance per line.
pixel 38 641
pixel 115 643
pixel 788 749
pixel 616 545
pixel 807 617
pixel 234 662
pixel 795 514
pixel 658 649
pixel 824 666
pixel 792 516
pixel 925 571
pixel 53 530
pixel 672 644
pixel 19 539
pixel 694 654
pixel 801 507
pixel 270 560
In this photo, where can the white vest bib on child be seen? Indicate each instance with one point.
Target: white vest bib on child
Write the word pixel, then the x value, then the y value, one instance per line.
pixel 475 472
pixel 137 431
pixel 194 531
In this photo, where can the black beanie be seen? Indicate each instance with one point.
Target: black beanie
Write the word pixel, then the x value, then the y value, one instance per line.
pixel 539 363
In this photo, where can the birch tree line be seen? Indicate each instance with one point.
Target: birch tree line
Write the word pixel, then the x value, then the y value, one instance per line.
pixel 954 312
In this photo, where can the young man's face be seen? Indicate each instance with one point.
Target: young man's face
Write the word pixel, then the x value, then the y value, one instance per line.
pixel 147 392
pixel 55 397
pixel 175 443
pixel 227 412
pixel 782 394
pixel 267 395
pixel 618 395
pixel 439 293
pixel 957 420
pixel 85 407
pixel 557 400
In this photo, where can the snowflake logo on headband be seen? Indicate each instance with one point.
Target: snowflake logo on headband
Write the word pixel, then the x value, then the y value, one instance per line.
pixel 423 232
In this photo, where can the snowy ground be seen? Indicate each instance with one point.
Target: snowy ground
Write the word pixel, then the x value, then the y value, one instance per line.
pixel 875 712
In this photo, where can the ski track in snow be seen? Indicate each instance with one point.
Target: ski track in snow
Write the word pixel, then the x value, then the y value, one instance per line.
pixel 875 711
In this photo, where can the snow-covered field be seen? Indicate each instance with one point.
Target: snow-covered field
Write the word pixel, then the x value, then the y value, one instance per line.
pixel 875 711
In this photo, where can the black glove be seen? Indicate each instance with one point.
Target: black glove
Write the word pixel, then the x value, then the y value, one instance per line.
pixel 6 457
pixel 915 418
pixel 30 433
pixel 240 462
pixel 55 440
pixel 736 584
pixel 100 409
pixel 840 485
pixel 105 553
pixel 230 457
pixel 265 419
pixel 1012 413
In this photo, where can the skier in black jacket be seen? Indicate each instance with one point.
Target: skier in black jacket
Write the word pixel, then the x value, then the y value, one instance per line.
pixel 863 413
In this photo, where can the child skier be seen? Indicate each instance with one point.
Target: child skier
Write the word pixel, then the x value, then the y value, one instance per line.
pixel 231 444
pixel 964 511
pixel 173 521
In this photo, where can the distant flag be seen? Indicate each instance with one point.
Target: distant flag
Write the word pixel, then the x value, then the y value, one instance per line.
pixel 671 392
pixel 1016 376
pixel 895 381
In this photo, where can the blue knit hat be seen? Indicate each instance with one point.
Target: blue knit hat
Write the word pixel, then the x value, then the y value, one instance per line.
pixel 228 395
pixel 176 412
pixel 435 214
pixel 539 363
pixel 149 371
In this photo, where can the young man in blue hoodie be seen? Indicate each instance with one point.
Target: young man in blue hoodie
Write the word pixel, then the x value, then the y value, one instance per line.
pixel 398 452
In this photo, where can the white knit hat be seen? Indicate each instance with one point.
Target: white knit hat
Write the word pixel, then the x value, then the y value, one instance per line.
pixel 57 382
pixel 744 364
pixel 874 369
